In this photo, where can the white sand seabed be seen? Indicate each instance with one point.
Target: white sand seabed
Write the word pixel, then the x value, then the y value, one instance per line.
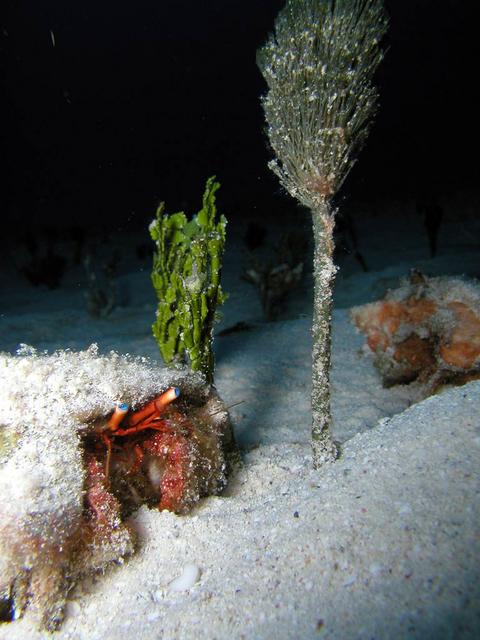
pixel 382 544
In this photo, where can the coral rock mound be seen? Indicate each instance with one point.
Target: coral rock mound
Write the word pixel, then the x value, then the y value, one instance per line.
pixel 427 330
pixel 68 482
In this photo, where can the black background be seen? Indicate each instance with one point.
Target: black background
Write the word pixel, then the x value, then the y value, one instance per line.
pixel 141 101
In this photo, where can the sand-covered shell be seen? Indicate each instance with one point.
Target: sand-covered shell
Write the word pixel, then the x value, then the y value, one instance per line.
pixel 59 516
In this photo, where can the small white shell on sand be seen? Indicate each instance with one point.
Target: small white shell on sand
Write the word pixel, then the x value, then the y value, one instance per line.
pixel 189 576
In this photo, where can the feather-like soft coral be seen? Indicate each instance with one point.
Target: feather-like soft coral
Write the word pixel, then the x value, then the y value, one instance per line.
pixel 69 480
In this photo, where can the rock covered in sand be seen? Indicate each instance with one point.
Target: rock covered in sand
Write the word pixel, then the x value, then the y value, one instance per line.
pixel 59 516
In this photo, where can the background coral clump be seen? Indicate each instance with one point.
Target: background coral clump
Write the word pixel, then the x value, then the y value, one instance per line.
pixel 427 330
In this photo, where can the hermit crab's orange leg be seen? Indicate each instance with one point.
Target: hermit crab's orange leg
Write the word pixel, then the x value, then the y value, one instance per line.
pixel 113 424
pixel 146 418
pixel 142 414
pixel 139 455
pixel 166 398
pixel 153 408
pixel 157 424
pixel 108 444
pixel 117 416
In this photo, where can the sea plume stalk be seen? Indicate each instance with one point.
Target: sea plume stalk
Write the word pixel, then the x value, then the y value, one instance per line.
pixel 318 65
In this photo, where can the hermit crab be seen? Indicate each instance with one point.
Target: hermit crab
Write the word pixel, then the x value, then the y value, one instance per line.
pixel 86 439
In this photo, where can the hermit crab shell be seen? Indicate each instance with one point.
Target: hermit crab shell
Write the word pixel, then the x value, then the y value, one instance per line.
pixel 47 405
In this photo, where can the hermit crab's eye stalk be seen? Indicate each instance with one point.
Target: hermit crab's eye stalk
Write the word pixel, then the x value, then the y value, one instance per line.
pixel 166 398
pixel 117 416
